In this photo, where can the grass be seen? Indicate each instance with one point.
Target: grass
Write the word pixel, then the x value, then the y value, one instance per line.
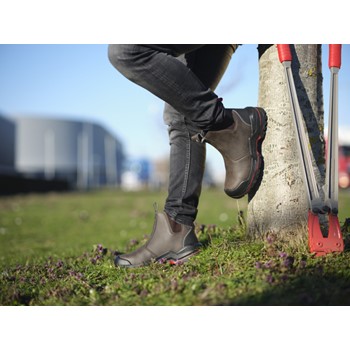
pixel 57 249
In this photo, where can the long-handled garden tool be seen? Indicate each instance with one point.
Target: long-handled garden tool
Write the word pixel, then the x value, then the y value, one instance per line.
pixel 333 242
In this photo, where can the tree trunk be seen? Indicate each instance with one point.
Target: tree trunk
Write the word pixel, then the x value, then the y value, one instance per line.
pixel 280 205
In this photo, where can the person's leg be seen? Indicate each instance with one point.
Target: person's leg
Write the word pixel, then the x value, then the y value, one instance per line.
pixel 236 133
pixel 187 158
pixel 156 68
pixel 173 236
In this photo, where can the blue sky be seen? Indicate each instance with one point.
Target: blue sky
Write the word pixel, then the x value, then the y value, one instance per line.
pixel 77 81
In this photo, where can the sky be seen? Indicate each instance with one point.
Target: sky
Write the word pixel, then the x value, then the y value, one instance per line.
pixel 77 81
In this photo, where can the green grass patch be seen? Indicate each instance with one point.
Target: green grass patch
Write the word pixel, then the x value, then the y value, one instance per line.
pixel 58 249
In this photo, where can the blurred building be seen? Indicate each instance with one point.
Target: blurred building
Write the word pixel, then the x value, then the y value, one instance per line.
pixel 82 154
pixel 7 145
pixel 343 156
pixel 137 174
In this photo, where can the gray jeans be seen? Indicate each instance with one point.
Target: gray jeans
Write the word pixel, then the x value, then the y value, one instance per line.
pixel 185 77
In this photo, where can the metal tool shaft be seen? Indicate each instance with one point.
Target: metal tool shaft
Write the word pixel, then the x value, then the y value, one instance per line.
pixel 331 185
pixel 315 202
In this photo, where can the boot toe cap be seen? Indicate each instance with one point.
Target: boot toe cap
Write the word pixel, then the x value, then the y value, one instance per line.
pixel 119 261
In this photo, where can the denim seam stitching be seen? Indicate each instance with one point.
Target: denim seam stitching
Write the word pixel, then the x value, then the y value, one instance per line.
pixel 187 166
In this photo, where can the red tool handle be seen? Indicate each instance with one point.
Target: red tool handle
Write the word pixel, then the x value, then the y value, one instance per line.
pixel 284 52
pixel 334 60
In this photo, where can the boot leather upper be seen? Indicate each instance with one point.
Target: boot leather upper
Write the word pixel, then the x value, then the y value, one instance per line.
pixel 162 241
pixel 234 145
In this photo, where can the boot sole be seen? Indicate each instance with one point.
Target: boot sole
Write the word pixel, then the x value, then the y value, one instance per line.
pixel 180 258
pixel 170 257
pixel 256 140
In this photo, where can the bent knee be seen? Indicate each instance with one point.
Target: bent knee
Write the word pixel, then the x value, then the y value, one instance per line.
pixel 122 56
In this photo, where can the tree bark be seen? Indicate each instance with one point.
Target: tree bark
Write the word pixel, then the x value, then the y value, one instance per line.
pixel 280 205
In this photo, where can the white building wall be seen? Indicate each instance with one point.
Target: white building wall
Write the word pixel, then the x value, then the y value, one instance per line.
pixel 59 148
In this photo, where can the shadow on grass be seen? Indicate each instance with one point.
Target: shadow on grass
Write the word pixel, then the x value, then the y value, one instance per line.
pixel 311 289
pixel 321 281
pixel 325 283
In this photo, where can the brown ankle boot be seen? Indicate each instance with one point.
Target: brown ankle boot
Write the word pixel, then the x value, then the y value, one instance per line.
pixel 169 241
pixel 240 147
